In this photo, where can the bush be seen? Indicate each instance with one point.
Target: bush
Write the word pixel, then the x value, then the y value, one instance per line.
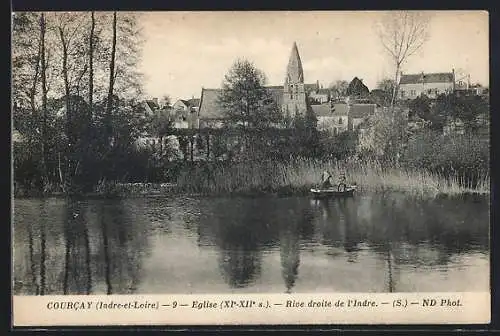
pixel 459 156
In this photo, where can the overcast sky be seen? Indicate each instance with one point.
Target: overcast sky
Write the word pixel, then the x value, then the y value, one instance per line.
pixel 185 51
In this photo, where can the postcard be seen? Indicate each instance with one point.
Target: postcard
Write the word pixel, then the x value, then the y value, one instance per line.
pixel 240 168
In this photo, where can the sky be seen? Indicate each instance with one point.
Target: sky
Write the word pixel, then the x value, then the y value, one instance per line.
pixel 185 51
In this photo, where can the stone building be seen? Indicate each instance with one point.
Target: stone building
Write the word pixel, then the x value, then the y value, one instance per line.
pixel 294 92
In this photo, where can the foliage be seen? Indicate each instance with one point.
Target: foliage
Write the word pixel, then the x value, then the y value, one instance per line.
pixel 339 88
pixel 60 113
pixel 244 98
pixel 465 157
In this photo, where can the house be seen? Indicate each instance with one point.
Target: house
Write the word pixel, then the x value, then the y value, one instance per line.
pixel 318 94
pixel 210 114
pixel 358 113
pixel 331 118
pixel 184 113
pixel 151 106
pixel 431 84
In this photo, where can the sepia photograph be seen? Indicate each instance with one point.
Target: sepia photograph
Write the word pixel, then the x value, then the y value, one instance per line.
pixel 250 152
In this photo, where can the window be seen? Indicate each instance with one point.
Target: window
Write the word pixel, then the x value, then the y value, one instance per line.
pixel 402 93
pixel 413 93
pixel 340 120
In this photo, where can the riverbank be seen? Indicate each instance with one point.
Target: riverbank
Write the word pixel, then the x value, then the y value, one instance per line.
pixel 276 179
pixel 300 176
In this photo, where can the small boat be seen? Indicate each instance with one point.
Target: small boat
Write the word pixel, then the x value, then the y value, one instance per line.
pixel 340 190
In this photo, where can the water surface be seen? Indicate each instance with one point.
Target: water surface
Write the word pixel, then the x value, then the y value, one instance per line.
pixel 369 243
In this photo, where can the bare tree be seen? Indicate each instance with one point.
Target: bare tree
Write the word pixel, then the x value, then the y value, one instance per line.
pixel 402 34
pixel 44 96
pixel 112 74
pixel 91 64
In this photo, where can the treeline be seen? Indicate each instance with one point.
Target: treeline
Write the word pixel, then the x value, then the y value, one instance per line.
pixel 76 91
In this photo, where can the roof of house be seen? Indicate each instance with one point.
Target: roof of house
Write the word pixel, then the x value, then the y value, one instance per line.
pixel 209 105
pixel 152 104
pixel 194 102
pixel 362 110
pixel 340 109
pixel 323 110
pixel 443 77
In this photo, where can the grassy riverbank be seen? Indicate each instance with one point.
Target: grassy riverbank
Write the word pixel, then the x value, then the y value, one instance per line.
pixel 295 178
pixel 300 176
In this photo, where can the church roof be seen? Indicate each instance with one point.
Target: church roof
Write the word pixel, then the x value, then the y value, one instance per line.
pixel 294 71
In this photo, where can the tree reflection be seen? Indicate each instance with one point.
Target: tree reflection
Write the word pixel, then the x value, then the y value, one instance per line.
pixel 122 243
pixel 77 254
pixel 339 225
pixel 240 258
pixel 298 221
pixel 43 243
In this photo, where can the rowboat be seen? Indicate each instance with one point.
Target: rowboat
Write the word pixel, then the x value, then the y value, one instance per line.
pixel 340 190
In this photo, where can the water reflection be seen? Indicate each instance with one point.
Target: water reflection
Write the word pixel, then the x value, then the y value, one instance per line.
pixel 383 242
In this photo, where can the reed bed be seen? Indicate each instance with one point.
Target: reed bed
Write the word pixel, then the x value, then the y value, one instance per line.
pixel 300 175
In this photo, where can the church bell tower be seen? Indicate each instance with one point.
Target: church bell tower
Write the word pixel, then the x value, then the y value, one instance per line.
pixel 294 94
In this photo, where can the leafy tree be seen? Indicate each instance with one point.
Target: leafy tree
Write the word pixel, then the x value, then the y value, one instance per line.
pixel 339 88
pixel 421 107
pixel 243 95
pixel 247 104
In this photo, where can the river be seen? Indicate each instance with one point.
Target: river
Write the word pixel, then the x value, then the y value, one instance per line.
pixel 369 243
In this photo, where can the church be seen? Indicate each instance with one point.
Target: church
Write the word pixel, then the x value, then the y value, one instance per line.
pixel 292 97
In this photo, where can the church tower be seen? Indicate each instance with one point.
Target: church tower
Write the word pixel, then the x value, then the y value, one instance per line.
pixel 294 94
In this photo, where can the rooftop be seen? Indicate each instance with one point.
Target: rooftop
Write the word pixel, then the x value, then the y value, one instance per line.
pixel 362 110
pixel 442 77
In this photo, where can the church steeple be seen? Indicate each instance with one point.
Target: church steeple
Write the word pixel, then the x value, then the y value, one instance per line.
pixel 294 94
pixel 294 71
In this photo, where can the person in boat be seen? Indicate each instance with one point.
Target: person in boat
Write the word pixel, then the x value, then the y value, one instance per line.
pixel 326 180
pixel 342 179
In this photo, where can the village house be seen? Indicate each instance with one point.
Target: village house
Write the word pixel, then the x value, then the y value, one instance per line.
pixel 184 113
pixel 431 84
pixel 318 94
pixel 151 106
pixel 359 113
pixel 332 118
pixel 342 116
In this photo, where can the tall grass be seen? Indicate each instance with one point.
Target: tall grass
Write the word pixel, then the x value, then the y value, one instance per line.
pixel 300 175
